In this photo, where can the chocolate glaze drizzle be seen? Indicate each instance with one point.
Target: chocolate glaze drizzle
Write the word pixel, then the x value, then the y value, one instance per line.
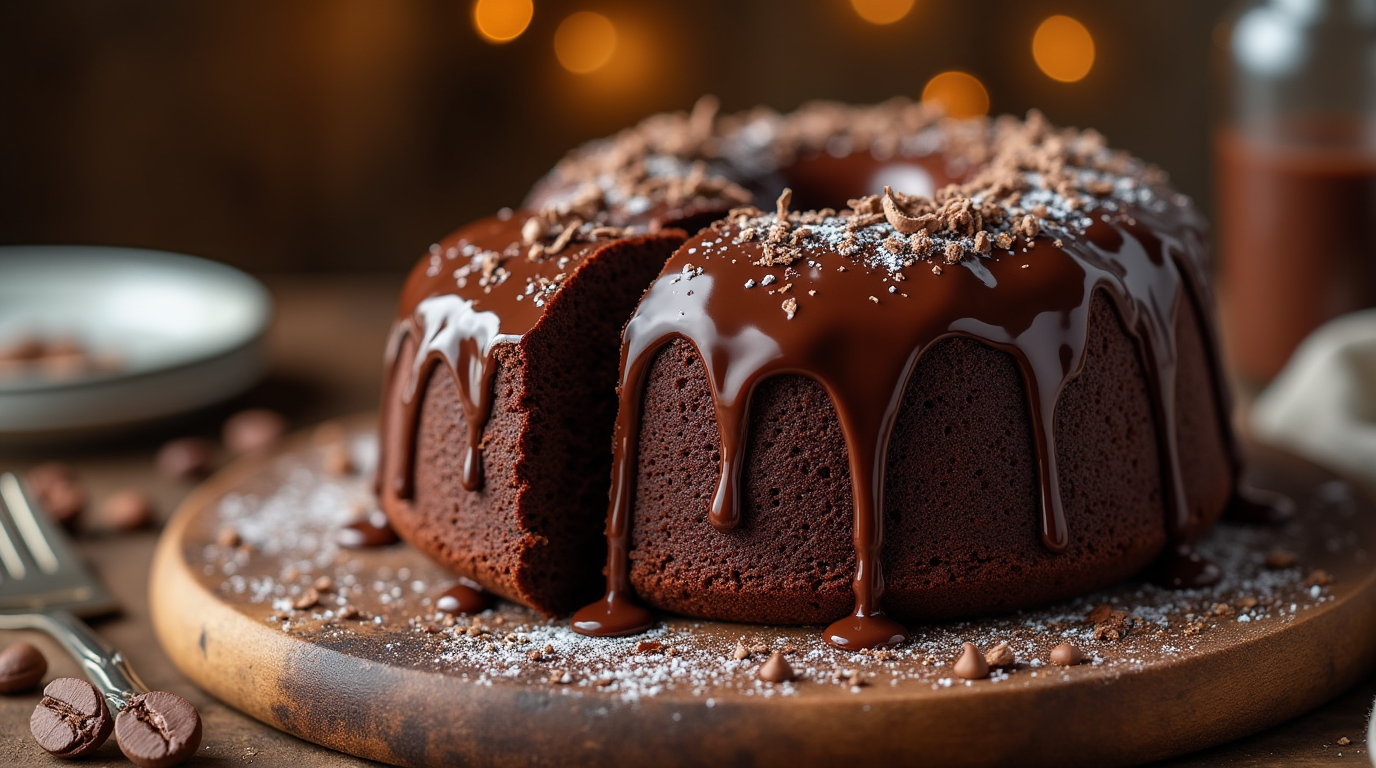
pixel 477 289
pixel 861 343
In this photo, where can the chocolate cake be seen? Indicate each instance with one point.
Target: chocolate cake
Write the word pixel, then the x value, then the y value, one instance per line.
pixel 994 388
pixel 926 406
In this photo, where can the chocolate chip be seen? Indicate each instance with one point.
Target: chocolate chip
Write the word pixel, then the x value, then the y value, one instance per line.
pixel 158 729
pixel 776 669
pixel 21 667
pixel 186 458
pixel 971 664
pixel 1066 655
pixel 254 430
pixel 1280 559
pixel 372 531
pixel 72 719
pixel 228 537
pixel 127 510
pixel 307 600
pixel 338 461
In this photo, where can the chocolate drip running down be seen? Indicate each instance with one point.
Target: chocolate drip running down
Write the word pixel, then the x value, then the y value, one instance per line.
pixel 859 332
pixel 505 297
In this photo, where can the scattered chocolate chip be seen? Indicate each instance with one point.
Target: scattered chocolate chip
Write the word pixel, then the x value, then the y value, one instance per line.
pixel 72 719
pixel 1000 656
pixel 324 584
pixel 228 537
pixel 253 430
pixel 1066 655
pixel 741 653
pixel 186 458
pixel 328 433
pixel 1247 602
pixel 776 669
pixel 127 510
pixel 649 646
pixel 1280 559
pixel 461 599
pixel 308 599
pixel 338 461
pixel 372 531
pixel 971 664
pixel 1344 741
pixel 347 612
pixel 158 730
pixel 1319 578
pixel 21 667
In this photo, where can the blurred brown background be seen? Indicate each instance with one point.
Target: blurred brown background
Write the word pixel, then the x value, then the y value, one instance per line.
pixel 346 135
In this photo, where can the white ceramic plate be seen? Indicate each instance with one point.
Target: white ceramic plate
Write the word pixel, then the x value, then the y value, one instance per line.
pixel 187 333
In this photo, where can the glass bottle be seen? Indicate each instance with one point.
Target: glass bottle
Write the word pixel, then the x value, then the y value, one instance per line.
pixel 1296 174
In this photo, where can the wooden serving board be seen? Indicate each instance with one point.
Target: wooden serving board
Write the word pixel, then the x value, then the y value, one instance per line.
pixel 402 684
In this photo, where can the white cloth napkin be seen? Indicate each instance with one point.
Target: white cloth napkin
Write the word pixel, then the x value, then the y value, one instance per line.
pixel 1323 404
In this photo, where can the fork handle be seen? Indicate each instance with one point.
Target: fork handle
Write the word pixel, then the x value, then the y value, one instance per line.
pixel 105 667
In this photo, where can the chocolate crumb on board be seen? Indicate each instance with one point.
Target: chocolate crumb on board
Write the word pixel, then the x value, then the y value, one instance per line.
pixel 1000 656
pixel 1318 578
pixel 1110 625
pixel 1281 558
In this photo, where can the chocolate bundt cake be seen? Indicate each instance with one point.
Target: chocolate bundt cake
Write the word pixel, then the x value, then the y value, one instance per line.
pixel 925 406
pixel 992 389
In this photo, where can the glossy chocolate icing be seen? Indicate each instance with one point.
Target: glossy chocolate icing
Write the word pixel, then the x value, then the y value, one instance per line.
pixel 477 289
pixel 860 342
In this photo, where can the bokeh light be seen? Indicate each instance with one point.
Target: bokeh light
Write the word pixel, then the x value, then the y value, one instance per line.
pixel 882 11
pixel 1063 49
pixel 585 42
pixel 959 93
pixel 502 20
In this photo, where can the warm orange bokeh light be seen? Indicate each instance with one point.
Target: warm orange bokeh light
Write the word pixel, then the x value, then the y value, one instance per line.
pixel 585 42
pixel 501 20
pixel 1063 49
pixel 960 94
pixel 882 11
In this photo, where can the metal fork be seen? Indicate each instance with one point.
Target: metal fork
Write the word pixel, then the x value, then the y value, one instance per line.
pixel 45 586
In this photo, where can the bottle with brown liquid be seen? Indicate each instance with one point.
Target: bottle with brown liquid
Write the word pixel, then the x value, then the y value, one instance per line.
pixel 1296 174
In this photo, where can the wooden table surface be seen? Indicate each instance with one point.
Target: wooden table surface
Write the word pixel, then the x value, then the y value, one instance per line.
pixel 326 345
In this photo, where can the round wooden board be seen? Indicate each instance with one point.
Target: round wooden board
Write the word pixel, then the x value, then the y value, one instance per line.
pixel 401 685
